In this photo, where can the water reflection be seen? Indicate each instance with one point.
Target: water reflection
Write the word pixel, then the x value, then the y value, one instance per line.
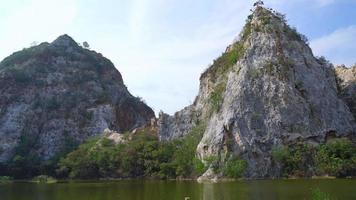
pixel 178 190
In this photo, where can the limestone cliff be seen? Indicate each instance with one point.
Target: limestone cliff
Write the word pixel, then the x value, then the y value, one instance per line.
pixel 346 78
pixel 55 95
pixel 266 90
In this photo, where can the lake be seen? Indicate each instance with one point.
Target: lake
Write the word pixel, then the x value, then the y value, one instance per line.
pixel 341 189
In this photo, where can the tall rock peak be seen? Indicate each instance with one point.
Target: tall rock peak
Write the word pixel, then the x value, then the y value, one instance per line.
pixel 266 90
pixel 64 41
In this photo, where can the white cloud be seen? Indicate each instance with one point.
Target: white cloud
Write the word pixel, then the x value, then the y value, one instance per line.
pixel 339 46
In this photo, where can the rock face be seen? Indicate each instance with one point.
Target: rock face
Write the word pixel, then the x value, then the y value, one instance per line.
pixel 266 90
pixel 347 84
pixel 56 95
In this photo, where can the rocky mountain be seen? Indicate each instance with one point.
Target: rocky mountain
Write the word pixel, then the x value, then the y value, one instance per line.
pixel 56 95
pixel 346 78
pixel 266 90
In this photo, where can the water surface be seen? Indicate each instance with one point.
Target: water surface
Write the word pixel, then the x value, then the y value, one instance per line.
pixel 341 189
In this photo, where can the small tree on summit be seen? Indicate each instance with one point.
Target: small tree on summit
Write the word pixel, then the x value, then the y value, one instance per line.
pixel 86 45
pixel 258 3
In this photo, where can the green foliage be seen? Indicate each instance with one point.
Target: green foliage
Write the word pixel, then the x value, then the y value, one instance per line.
pixel 295 35
pixel 25 163
pixel 141 156
pixel 247 30
pixel 18 57
pixel 5 179
pixel 294 160
pixel 265 19
pixel 336 158
pixel 199 166
pixel 184 153
pixel 220 69
pixel 283 67
pixel 20 76
pixel 81 162
pixel 213 162
pixel 322 60
pixel 280 154
pixel 227 60
pixel 269 67
pixel 44 179
pixel 217 96
pixel 234 167
pixel 281 16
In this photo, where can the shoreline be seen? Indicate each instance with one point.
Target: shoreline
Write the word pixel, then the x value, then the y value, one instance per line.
pixel 222 180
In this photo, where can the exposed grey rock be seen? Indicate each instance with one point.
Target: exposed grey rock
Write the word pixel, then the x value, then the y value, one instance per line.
pixel 59 93
pixel 10 130
pixel 65 41
pixel 347 84
pixel 275 93
pixel 114 136
pixel 171 127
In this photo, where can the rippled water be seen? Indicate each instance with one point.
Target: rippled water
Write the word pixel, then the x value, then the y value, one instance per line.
pixel 170 190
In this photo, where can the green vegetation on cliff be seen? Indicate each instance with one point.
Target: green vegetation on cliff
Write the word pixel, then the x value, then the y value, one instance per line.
pixel 234 167
pixel 141 156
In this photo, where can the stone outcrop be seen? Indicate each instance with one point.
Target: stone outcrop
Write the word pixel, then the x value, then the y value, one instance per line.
pixel 346 78
pixel 116 137
pixel 58 94
pixel 266 90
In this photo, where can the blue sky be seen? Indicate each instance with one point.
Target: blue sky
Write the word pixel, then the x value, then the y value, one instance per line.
pixel 162 46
